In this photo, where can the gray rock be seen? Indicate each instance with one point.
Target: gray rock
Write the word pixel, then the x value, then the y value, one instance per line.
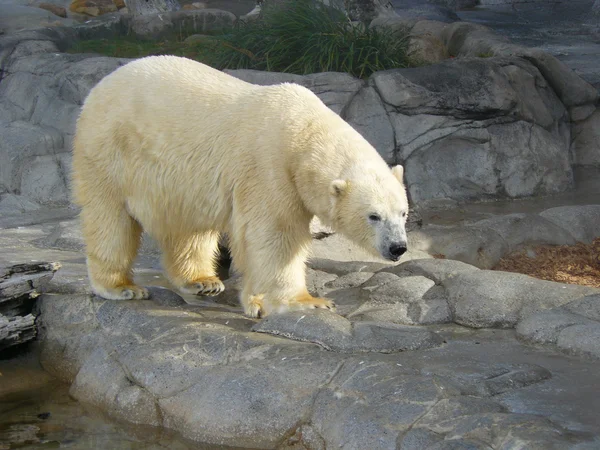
pixel 344 267
pixel 120 397
pixel 402 301
pixel 451 408
pixel 165 297
pixel 520 229
pixel 545 326
pixel 515 379
pixel 500 299
pixel 333 88
pixel 579 113
pixel 233 404
pixel 467 39
pixel 348 281
pixel 156 26
pixel 479 247
pixel 45 179
pixel 65 347
pixel 588 307
pixel 368 404
pixel 473 89
pixel 16 17
pixel 317 280
pixel 434 269
pixel 580 340
pixel 583 222
pixel 334 332
pixel 418 439
pixel 368 116
pixel 479 162
pixel 586 137
pixel 330 331
pixel 16 204
pixel 509 429
pixel 20 141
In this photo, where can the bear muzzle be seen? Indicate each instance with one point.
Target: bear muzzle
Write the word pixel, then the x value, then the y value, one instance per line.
pixel 396 250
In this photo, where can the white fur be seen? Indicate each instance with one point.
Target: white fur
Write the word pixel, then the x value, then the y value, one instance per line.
pixel 187 152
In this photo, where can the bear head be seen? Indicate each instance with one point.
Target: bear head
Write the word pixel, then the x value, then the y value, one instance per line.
pixel 370 206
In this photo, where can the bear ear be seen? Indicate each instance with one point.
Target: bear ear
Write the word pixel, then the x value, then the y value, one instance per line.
pixel 338 188
pixel 398 172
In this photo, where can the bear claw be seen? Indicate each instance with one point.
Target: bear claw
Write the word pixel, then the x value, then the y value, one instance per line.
pixel 209 286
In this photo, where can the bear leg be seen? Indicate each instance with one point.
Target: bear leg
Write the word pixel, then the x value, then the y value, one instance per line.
pixel 190 263
pixel 274 275
pixel 112 239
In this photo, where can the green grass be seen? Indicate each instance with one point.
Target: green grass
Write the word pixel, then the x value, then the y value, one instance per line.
pixel 302 37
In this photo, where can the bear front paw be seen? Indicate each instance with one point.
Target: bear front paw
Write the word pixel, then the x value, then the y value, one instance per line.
pixel 204 286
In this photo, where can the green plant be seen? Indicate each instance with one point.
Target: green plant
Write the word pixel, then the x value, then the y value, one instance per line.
pixel 301 37
pixel 304 36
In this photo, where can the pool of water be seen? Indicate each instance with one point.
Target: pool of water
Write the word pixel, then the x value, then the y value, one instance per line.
pixel 36 412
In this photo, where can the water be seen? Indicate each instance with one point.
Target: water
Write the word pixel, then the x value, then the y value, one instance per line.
pixel 36 412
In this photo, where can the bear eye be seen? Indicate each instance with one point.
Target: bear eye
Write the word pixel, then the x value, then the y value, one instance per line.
pixel 374 217
pixel 404 214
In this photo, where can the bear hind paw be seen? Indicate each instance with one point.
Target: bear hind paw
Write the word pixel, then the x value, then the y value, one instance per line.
pixel 210 286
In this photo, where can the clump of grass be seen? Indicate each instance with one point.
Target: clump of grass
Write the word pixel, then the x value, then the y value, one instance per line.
pixel 303 37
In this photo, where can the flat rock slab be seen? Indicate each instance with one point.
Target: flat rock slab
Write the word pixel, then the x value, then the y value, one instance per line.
pixel 334 332
pixel 217 377
pixel 487 298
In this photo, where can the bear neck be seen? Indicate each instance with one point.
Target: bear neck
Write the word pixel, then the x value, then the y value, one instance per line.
pixel 315 166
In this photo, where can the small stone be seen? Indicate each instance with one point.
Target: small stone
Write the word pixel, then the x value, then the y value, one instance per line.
pixel 54 9
pixel 92 8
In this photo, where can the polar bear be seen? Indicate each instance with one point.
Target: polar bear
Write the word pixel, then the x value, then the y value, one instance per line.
pixel 186 152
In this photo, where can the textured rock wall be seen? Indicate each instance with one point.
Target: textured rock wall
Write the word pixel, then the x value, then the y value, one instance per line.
pixel 496 121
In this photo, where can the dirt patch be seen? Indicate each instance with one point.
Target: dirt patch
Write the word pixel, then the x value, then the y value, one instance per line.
pixel 571 264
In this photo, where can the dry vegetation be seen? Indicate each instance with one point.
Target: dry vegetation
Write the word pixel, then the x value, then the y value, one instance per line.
pixel 575 264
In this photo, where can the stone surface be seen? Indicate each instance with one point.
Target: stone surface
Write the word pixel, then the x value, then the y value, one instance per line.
pixel 586 141
pixel 439 135
pixel 480 247
pixel 434 269
pixel 14 17
pixel 198 368
pixel 11 204
pixel 334 332
pixel 583 222
pixel 410 300
pixel 500 299
pixel 520 229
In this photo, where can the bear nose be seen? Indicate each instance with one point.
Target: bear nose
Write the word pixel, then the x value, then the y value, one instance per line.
pixel 397 249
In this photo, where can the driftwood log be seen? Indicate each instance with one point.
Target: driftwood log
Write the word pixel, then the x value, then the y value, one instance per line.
pixel 19 287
